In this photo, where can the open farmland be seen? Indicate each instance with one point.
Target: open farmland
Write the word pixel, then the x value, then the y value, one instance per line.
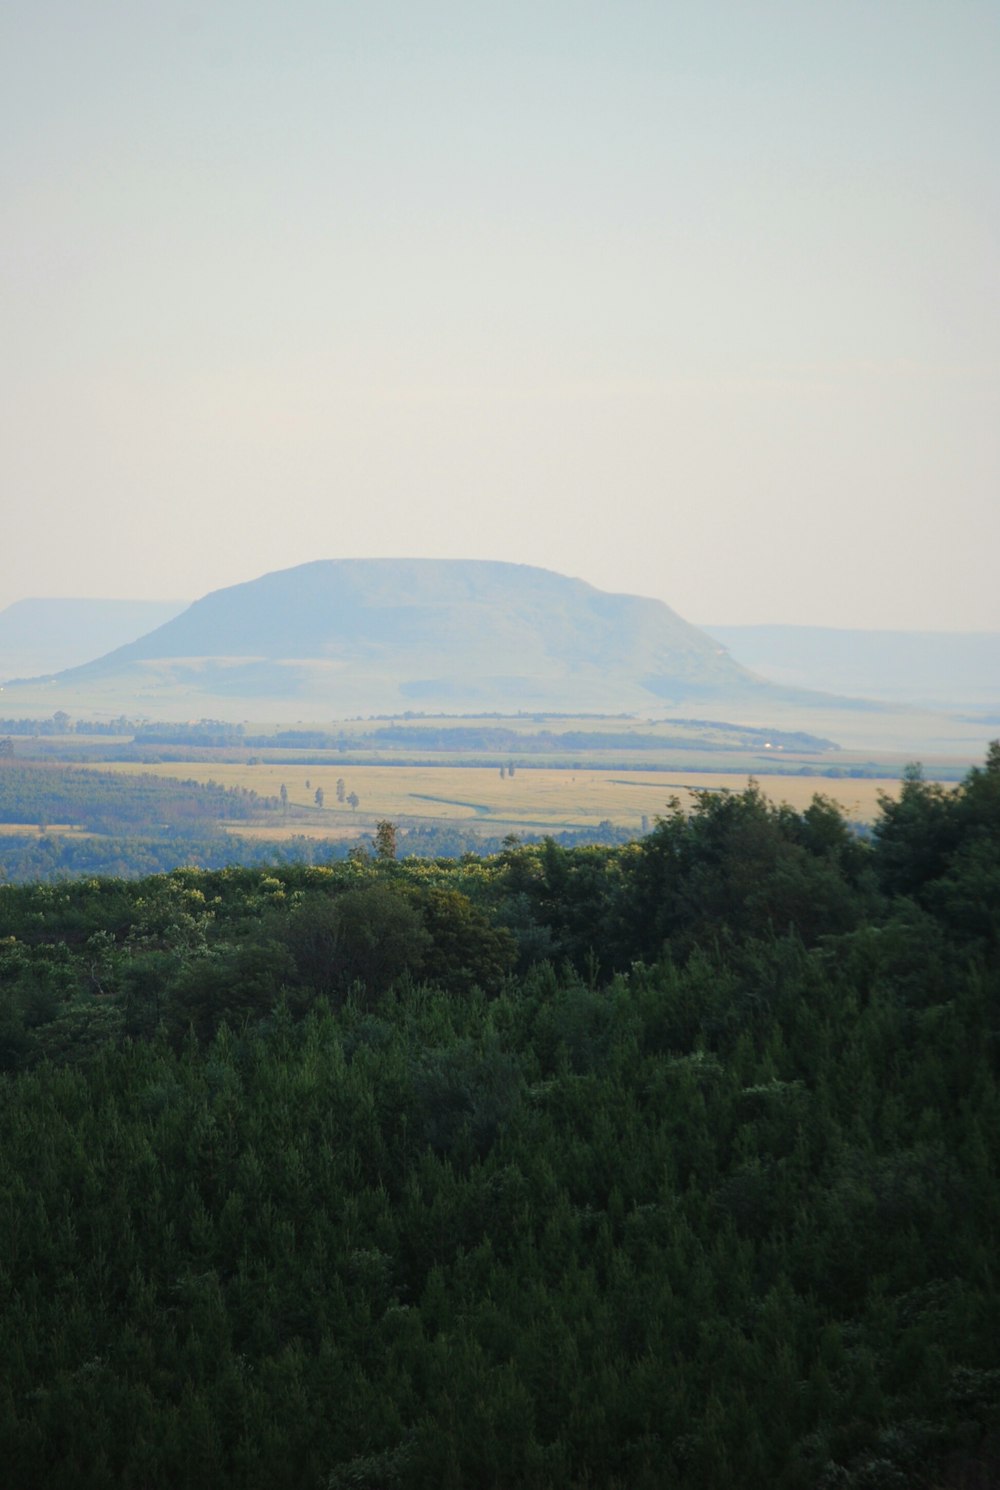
pixel 36 830
pixel 534 799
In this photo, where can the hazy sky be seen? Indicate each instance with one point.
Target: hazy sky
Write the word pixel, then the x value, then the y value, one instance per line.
pixel 694 300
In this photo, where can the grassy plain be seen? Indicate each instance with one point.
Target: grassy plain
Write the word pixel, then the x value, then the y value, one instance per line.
pixel 39 830
pixel 536 798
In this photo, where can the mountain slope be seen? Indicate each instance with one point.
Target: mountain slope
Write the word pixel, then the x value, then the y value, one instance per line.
pixel 387 634
pixel 43 636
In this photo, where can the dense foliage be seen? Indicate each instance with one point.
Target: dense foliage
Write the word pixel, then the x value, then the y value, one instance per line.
pixel 107 801
pixel 672 1163
pixel 53 856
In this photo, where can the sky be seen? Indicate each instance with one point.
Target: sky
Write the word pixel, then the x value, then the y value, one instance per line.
pixel 692 300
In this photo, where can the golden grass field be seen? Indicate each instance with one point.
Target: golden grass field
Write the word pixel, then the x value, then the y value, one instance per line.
pixel 535 798
pixel 39 830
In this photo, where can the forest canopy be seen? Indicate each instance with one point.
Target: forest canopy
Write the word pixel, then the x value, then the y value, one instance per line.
pixel 663 1163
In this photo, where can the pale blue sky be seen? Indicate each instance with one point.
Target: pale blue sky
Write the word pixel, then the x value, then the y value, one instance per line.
pixel 699 301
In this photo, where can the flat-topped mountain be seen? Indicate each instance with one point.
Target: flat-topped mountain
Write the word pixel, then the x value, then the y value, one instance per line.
pixel 365 635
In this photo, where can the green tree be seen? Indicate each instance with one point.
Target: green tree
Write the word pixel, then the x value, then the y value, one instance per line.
pixel 916 834
pixel 465 950
pixel 234 985
pixel 385 839
pixel 739 866
pixel 379 935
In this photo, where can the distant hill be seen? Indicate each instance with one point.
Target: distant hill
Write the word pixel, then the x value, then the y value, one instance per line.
pixel 936 669
pixel 344 636
pixel 46 636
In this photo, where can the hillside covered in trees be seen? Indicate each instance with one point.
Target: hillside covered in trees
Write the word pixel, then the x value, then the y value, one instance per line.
pixel 671 1163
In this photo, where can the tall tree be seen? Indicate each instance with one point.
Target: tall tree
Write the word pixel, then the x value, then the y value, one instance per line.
pixel 385 839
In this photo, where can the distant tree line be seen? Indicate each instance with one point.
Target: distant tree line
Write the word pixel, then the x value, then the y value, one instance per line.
pixel 501 739
pixel 61 724
pixel 109 801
